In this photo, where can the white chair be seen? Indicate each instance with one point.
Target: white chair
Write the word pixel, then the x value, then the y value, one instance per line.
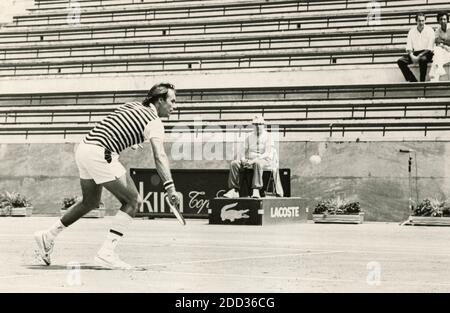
pixel 274 187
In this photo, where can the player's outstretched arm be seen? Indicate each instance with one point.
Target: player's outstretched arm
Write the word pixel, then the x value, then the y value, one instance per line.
pixel 163 168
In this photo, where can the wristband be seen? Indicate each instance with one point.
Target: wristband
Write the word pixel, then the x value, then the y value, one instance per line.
pixel 168 185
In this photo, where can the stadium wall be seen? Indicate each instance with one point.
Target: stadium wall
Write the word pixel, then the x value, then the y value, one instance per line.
pixel 373 173
pixel 283 77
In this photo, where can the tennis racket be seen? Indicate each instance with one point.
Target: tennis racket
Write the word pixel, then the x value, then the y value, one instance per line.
pixel 175 211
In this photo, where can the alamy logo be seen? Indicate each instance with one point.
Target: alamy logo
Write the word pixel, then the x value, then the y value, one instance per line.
pixel 374 276
pixel 227 214
pixel 374 14
pixel 74 13
pixel 74 274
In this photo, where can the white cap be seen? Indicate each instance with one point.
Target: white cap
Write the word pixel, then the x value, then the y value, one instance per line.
pixel 258 119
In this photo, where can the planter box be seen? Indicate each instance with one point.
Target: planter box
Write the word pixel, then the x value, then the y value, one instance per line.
pixel 5 211
pixel 97 213
pixel 25 211
pixel 428 221
pixel 339 218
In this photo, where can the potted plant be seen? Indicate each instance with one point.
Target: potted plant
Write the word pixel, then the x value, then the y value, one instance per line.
pixel 14 204
pixel 337 210
pixel 69 201
pixel 430 212
pixel 5 205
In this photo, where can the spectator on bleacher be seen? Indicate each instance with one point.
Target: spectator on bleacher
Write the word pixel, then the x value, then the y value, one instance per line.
pixel 442 48
pixel 419 49
pixel 258 155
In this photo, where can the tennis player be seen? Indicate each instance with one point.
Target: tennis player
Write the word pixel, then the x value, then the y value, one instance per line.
pixel 97 158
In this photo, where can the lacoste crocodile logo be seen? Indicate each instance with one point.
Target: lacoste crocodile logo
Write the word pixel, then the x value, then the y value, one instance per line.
pixel 227 214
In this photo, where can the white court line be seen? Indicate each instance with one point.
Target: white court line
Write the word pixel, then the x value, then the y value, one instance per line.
pixel 213 275
pixel 306 246
pixel 140 244
pixel 244 258
pixel 312 247
pixel 214 244
pixel 156 245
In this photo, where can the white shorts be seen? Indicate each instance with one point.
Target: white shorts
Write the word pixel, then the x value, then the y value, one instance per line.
pixel 92 164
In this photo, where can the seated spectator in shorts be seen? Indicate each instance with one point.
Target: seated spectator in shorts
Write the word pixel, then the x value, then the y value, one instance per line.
pixel 419 49
pixel 442 48
pixel 258 156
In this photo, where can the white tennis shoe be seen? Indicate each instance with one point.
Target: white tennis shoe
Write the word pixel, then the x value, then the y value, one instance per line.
pixel 45 246
pixel 112 261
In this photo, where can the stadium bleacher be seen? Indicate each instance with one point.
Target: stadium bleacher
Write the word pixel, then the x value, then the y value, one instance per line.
pixel 211 35
pixel 335 112
pixel 279 34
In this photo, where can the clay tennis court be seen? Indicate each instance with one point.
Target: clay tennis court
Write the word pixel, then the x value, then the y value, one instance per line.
pixel 202 258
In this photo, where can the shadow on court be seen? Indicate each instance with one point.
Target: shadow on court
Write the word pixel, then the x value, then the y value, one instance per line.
pixel 65 268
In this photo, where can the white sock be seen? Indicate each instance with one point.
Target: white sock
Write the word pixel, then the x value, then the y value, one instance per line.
pixel 55 229
pixel 120 224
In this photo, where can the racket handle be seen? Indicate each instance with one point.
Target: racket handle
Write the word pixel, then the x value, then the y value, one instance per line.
pixel 172 199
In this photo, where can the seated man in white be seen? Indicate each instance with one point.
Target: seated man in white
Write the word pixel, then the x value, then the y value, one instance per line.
pixel 259 155
pixel 419 49
pixel 442 48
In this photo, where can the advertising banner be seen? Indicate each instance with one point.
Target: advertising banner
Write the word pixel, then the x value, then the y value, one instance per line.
pixel 197 188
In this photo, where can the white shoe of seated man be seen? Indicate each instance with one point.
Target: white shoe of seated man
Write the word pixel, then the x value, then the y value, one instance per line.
pixel 256 194
pixel 231 194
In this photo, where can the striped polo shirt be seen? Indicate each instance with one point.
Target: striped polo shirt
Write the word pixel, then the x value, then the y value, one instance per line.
pixel 129 125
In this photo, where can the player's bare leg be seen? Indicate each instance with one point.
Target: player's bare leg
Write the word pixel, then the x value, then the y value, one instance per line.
pixel 124 190
pixel 91 199
pixel 92 194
